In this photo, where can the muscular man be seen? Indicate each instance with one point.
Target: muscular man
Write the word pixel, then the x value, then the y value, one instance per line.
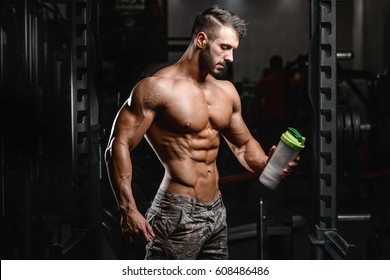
pixel 182 110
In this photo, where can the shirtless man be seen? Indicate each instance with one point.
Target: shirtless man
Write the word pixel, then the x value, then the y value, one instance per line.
pixel 182 110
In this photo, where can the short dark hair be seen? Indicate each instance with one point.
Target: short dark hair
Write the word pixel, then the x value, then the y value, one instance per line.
pixel 210 20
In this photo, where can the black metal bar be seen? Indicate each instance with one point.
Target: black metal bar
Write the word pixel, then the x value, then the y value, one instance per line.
pixel 322 94
pixel 3 38
pixel 72 242
pixel 242 232
pixel 262 237
pixel 250 231
pixel 338 248
pixel 95 131
pixel 279 230
pixel 344 55
pixel 313 79
pixel 79 112
pixel 64 250
pixel 353 217
pixel 327 103
pixel 86 156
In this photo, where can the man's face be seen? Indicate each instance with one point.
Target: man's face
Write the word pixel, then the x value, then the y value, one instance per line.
pixel 219 52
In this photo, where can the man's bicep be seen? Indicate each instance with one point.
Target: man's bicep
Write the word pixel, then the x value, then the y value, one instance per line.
pixel 137 113
pixel 243 145
pixel 237 132
pixel 132 123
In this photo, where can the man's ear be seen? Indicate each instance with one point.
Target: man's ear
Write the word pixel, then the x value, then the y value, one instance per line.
pixel 201 40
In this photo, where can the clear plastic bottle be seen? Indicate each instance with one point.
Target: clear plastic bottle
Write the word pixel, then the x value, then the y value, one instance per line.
pixel 290 144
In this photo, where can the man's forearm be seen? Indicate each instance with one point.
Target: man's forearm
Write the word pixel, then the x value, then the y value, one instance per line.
pixel 119 169
pixel 251 155
pixel 256 162
pixel 254 156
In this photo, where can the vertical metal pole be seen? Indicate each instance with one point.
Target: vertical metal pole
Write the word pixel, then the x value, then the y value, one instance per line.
pixel 322 93
pixel 262 237
pixel 85 158
pixel 95 133
pixel 27 165
pixel 79 113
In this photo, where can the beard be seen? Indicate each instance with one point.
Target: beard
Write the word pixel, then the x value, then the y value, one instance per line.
pixel 207 63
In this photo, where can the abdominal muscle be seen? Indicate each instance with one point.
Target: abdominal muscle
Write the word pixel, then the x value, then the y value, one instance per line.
pixel 190 164
pixel 198 181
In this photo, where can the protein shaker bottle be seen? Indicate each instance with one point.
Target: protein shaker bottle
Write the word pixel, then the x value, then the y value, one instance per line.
pixel 290 144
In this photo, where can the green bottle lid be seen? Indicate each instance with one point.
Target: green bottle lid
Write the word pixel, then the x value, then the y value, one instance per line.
pixel 293 139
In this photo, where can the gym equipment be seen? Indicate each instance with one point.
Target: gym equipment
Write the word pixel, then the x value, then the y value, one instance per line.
pixel 265 232
pixel 268 233
pixel 349 126
pixel 326 242
pixel 51 188
pixel 86 132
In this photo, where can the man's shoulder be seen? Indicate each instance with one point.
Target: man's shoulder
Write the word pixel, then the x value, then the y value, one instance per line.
pixel 155 83
pixel 166 76
pixel 224 84
pixel 158 89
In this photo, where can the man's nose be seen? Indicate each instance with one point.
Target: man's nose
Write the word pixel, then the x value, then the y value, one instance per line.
pixel 229 56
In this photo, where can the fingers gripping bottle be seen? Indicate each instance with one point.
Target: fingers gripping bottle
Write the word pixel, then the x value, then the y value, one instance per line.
pixel 290 144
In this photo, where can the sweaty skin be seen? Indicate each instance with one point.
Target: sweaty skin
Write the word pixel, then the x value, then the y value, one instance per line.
pixel 182 110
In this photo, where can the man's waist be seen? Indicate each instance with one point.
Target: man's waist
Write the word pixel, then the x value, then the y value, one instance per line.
pixel 202 192
pixel 164 196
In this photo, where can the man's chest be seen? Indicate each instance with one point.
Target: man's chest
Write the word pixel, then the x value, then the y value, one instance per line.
pixel 196 109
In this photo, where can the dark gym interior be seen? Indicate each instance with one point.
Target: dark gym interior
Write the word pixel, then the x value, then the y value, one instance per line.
pixel 66 66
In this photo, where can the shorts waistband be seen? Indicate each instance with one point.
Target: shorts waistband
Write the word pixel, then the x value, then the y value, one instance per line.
pixel 186 201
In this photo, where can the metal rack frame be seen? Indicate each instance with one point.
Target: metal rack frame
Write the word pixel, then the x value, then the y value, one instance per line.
pixel 326 243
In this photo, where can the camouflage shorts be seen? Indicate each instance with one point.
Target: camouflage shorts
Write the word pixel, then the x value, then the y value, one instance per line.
pixel 186 229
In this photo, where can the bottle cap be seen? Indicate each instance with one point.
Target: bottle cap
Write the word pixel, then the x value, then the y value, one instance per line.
pixel 293 139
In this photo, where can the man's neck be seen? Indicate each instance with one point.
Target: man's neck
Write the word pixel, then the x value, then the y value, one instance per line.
pixel 189 64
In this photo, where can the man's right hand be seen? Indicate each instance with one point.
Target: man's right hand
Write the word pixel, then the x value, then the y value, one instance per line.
pixel 136 228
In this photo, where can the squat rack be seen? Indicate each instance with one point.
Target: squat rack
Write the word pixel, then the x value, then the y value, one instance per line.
pixel 86 132
pixel 326 242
